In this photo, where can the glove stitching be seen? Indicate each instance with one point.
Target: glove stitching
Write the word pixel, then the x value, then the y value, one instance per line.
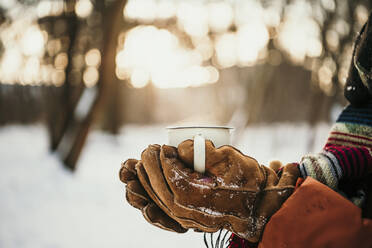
pixel 136 194
pixel 211 215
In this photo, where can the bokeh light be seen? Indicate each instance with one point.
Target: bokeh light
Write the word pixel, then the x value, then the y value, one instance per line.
pixel 178 43
pixel 61 61
pixel 249 45
pixel 226 49
pixel 93 57
pixel 49 8
pixel 220 16
pixel 24 46
pixel 193 18
pixel 33 41
pixel 90 76
pixel 83 8
pixel 143 10
pixel 304 41
pixel 152 54
pixel 58 77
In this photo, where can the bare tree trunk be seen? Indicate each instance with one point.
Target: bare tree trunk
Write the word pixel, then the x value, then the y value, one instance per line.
pixel 112 105
pixel 112 23
pixel 62 116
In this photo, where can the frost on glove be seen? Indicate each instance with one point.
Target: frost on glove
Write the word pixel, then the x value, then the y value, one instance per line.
pixel 235 193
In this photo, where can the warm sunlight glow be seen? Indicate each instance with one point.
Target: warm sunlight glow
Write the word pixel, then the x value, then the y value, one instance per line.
pixel 152 54
pixel 93 57
pixel 193 18
pixel 47 7
pixel 10 65
pixel 33 41
pixel 220 16
pixel 304 41
pixel 236 33
pixel 166 9
pixel 31 71
pixel 226 50
pixel 139 78
pixel 90 76
pixel 248 11
pixel 61 61
pixel 213 74
pixel 142 10
pixel 204 46
pixel 325 79
pixel 249 45
pixel 168 43
pixel 58 77
pixel 83 8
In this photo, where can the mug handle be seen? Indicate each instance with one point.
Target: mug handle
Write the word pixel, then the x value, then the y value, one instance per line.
pixel 199 153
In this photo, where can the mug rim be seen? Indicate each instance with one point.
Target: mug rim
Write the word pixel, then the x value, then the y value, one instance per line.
pixel 199 126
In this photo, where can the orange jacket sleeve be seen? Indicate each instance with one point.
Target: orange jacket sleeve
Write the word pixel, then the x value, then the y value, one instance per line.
pixel 316 216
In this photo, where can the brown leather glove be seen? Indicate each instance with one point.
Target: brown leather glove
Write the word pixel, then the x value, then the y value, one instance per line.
pixel 138 198
pixel 235 193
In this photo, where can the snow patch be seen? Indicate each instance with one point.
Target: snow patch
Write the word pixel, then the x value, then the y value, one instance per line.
pixel 44 205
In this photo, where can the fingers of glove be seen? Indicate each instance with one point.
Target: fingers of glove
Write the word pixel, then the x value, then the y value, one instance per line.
pixel 275 193
pixel 150 172
pixel 216 159
pixel 152 213
pixel 156 216
pixel 172 210
pixel 143 177
pixel 246 229
pixel 136 194
pixel 153 172
pixel 127 171
pixel 186 152
pixel 189 188
pixel 212 155
pixel 195 195
pixel 179 177
pixel 271 177
pixel 275 165
pixel 277 190
pixel 145 182
pixel 142 195
pixel 226 163
pixel 235 168
pixel 196 191
pixel 272 196
pixel 290 175
pixel 136 200
pixel 160 190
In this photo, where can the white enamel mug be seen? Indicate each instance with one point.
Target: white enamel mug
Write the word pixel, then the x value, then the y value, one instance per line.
pixel 219 135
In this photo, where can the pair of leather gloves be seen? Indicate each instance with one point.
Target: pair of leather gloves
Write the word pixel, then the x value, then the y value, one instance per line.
pixel 235 192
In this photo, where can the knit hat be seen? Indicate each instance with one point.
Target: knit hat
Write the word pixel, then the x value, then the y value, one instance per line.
pixel 358 88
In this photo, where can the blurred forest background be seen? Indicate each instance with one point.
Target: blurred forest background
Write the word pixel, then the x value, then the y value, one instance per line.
pixel 77 64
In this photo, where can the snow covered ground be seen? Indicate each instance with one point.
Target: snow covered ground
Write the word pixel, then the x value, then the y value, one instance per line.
pixel 44 205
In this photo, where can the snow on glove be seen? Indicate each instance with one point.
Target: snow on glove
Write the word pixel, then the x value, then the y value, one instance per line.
pixel 235 193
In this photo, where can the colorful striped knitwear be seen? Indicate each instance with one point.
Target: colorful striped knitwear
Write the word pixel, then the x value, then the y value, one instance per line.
pixel 348 151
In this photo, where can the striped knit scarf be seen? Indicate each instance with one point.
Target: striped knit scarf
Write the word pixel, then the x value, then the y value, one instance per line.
pixel 348 151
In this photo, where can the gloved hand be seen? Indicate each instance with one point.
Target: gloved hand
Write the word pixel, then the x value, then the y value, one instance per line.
pixel 138 198
pixel 235 193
